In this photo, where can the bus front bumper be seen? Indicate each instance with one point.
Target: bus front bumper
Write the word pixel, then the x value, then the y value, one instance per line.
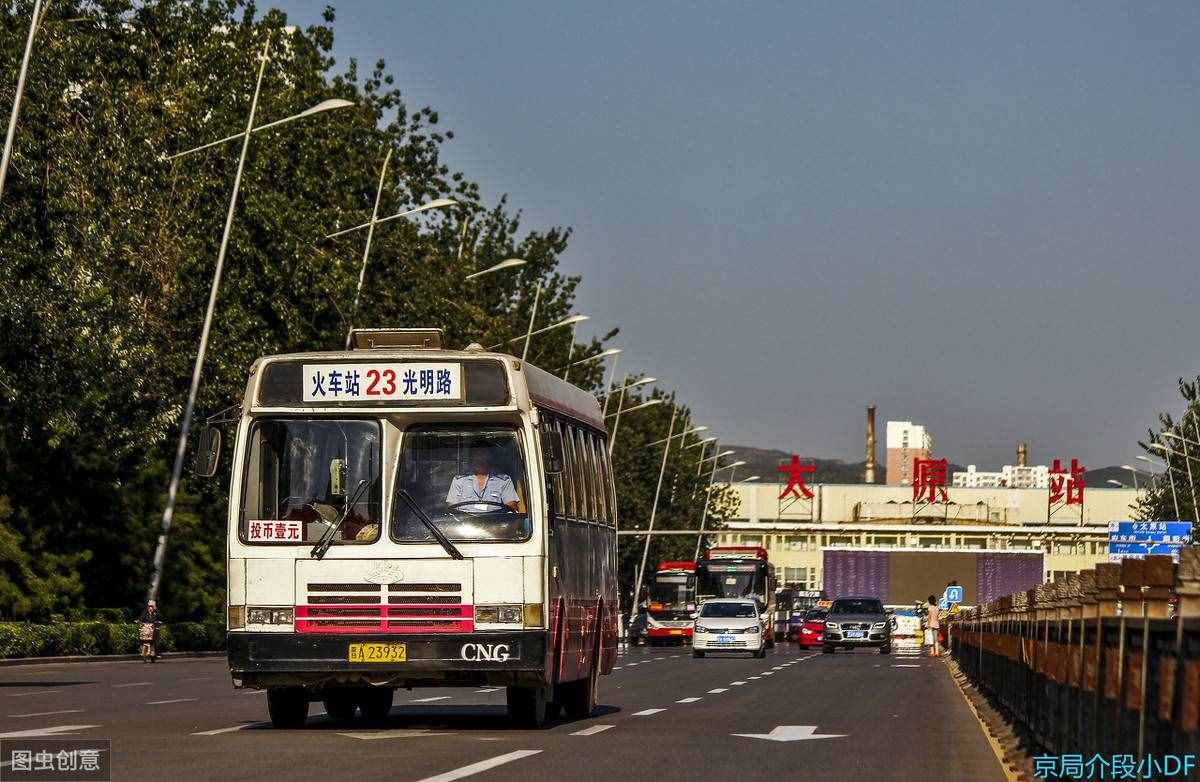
pixel 451 659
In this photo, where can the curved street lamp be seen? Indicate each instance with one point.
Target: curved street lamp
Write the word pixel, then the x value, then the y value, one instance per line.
pixel 189 407
pixel 511 263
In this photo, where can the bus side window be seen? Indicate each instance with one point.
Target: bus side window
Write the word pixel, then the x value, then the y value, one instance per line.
pixel 571 469
pixel 583 500
pixel 589 474
pixel 610 490
pixel 599 479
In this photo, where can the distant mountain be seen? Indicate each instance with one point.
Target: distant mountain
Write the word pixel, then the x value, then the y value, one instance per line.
pixel 1099 478
pixel 764 462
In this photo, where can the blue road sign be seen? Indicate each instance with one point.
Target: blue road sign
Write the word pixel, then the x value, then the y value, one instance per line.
pixel 1142 548
pixel 1149 537
pixel 954 594
pixel 943 604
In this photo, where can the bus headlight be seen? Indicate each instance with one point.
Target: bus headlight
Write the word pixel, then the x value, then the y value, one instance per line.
pixel 237 617
pixel 258 615
pixel 533 615
pixel 498 615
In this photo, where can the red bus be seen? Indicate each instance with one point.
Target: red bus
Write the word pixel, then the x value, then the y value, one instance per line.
pixel 672 593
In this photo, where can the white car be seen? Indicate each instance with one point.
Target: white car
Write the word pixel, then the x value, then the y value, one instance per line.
pixel 728 624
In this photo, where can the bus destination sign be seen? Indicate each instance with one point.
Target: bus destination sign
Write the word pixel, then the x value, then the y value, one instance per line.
pixel 410 381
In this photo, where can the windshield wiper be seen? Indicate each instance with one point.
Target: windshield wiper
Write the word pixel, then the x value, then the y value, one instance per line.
pixel 318 551
pixel 428 522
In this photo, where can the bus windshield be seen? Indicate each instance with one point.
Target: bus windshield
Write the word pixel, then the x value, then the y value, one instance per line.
pixel 469 481
pixel 672 592
pixel 743 580
pixel 299 474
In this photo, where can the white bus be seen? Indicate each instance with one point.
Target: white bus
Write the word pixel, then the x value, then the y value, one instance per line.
pixel 401 515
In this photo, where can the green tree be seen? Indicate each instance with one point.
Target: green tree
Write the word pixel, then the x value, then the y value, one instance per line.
pixel 107 250
pixel 1174 488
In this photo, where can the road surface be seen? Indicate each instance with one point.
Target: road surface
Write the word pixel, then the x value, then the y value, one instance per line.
pixel 665 716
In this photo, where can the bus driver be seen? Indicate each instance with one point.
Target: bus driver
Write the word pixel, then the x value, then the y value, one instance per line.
pixel 485 490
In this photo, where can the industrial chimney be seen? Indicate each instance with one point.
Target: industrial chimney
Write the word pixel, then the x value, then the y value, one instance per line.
pixel 1022 454
pixel 869 462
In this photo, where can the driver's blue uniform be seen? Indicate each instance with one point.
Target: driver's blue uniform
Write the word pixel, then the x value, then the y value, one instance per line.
pixel 498 489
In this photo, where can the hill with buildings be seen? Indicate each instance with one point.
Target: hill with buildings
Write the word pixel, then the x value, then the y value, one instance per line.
pixel 765 462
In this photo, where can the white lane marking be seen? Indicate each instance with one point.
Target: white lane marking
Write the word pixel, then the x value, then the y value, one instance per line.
pixel 172 700
pixel 718 690
pixel 253 692
pixel 647 712
pixel 431 700
pixel 752 678
pixel 47 713
pixel 906 666
pixel 490 689
pixel 35 692
pixel 482 765
pixel 687 700
pixel 58 730
pixel 768 673
pixel 133 684
pixel 243 726
pixel 592 731
pixel 736 684
pixel 618 667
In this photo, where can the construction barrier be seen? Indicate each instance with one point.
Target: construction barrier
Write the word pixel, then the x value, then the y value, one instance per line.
pixel 1106 662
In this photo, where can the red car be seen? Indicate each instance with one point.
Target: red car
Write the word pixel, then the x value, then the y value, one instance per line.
pixel 812 629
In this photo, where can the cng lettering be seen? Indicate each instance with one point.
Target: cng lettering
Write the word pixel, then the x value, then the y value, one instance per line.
pixel 485 652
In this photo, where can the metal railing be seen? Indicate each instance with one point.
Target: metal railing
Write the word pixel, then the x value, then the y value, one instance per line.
pixel 1106 662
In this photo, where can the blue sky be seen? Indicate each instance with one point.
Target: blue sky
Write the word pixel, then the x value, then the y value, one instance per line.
pixel 979 216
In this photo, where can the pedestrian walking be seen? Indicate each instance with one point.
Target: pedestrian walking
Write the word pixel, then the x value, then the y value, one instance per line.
pixel 932 625
pixel 147 631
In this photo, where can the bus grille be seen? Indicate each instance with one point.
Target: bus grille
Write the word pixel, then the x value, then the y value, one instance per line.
pixel 385 608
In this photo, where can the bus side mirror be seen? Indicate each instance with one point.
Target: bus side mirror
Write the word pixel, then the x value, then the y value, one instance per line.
pixel 552 451
pixel 208 452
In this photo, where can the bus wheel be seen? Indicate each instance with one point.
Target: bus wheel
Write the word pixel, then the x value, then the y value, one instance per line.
pixel 288 706
pixel 578 699
pixel 528 707
pixel 376 704
pixel 339 705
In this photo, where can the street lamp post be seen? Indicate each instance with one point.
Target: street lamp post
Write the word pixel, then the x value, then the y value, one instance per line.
pixel 612 437
pixel 34 20
pixel 564 322
pixel 637 590
pixel 537 294
pixel 1170 478
pixel 440 203
pixel 601 355
pixel 1132 472
pixel 712 476
pixel 1187 460
pixel 510 263
pixel 177 470
pixel 608 386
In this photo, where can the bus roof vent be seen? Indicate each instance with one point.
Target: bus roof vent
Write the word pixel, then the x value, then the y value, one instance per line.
pixel 384 339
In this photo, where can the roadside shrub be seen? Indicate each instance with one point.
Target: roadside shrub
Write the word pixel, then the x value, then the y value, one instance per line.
pixel 23 639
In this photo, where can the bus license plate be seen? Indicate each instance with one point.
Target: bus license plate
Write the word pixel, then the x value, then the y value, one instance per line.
pixel 377 653
pixel 854 634
pixel 675 632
